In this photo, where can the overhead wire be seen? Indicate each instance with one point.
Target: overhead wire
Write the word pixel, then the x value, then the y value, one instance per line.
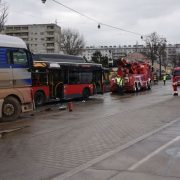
pixel 93 19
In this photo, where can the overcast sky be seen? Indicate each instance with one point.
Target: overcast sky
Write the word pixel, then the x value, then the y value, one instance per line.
pixel 139 16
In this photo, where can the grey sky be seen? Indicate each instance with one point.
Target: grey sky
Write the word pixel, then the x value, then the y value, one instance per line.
pixel 141 16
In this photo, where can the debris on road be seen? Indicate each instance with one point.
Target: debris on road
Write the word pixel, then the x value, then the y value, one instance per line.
pixel 11 130
pixel 62 107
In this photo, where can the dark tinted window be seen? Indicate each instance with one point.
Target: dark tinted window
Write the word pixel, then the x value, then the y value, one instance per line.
pixel 177 73
pixel 85 77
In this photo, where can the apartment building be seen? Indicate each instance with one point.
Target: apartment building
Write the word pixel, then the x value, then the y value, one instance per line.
pixel 40 38
pixel 116 52
pixel 112 52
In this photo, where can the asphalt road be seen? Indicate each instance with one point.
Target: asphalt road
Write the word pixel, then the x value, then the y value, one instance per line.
pixel 51 142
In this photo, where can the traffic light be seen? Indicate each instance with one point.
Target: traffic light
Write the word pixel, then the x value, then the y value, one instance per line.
pixel 99 26
pixel 43 1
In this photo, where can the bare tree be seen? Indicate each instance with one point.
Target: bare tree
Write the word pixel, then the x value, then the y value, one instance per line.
pixel 175 60
pixel 72 42
pixel 96 57
pixel 154 46
pixel 161 53
pixel 3 14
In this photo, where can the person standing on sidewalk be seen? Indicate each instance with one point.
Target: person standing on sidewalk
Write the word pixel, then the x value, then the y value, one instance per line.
pixel 164 79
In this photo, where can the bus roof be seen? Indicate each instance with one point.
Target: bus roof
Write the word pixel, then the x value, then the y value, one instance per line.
pixel 58 58
pixel 11 41
pixel 47 64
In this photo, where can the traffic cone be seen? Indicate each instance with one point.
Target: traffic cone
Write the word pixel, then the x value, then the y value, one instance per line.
pixel 70 106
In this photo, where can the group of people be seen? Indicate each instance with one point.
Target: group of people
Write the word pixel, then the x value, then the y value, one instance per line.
pixel 155 79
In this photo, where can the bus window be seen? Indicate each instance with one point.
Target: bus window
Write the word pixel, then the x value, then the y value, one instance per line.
pixel 73 77
pixel 20 57
pixel 39 78
pixel 85 77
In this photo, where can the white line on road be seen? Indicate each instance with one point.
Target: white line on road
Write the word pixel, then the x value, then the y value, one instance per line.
pixel 112 152
pixel 136 165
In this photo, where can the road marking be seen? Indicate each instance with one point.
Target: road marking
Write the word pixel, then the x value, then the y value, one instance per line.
pixel 136 165
pixel 110 153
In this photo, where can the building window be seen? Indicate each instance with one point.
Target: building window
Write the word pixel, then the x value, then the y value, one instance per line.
pixel 17 28
pixel 50 44
pixel 25 28
pixel 50 33
pixel 50 50
pixel 49 39
pixel 50 27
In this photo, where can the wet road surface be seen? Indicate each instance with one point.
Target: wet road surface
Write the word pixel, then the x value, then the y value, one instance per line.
pixel 52 142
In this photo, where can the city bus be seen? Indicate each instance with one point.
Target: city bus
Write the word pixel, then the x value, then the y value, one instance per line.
pixel 65 80
pixel 15 78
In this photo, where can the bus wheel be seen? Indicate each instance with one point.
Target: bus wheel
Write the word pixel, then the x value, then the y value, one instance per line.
pixel 39 98
pixel 86 93
pixel 11 109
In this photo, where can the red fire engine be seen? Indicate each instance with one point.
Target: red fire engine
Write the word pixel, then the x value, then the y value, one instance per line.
pixel 136 75
pixel 176 80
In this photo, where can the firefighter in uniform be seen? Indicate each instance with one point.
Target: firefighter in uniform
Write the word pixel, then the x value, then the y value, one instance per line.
pixel 120 83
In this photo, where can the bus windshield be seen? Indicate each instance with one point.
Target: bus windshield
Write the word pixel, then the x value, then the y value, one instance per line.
pixel 177 73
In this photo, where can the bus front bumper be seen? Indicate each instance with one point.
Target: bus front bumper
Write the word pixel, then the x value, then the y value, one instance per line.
pixel 1 104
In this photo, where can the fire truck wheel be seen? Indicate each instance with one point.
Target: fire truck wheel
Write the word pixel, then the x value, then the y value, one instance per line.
pixel 138 87
pixel 39 98
pixel 11 109
pixel 85 93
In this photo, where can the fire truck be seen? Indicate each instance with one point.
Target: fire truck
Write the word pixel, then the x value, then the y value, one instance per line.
pixel 136 75
pixel 176 80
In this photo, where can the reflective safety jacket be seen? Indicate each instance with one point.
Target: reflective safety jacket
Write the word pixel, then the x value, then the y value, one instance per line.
pixel 164 77
pixel 119 81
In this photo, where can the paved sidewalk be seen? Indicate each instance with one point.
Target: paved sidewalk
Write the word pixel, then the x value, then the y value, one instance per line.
pixel 154 156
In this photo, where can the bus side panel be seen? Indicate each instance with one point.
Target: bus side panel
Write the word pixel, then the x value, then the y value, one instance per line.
pixel 45 89
pixel 6 77
pixel 76 90
pixel 22 77
pixel 24 94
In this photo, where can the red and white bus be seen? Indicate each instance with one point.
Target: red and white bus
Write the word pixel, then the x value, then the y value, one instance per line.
pixel 63 80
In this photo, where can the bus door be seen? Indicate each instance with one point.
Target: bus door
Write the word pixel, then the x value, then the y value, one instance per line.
pixel 106 81
pixel 6 76
pixel 21 62
pixel 97 81
pixel 56 83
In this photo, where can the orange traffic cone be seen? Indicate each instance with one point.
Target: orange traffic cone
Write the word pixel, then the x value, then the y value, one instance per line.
pixel 70 106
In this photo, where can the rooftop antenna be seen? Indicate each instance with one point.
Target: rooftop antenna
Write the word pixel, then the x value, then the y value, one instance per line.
pixel 56 21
